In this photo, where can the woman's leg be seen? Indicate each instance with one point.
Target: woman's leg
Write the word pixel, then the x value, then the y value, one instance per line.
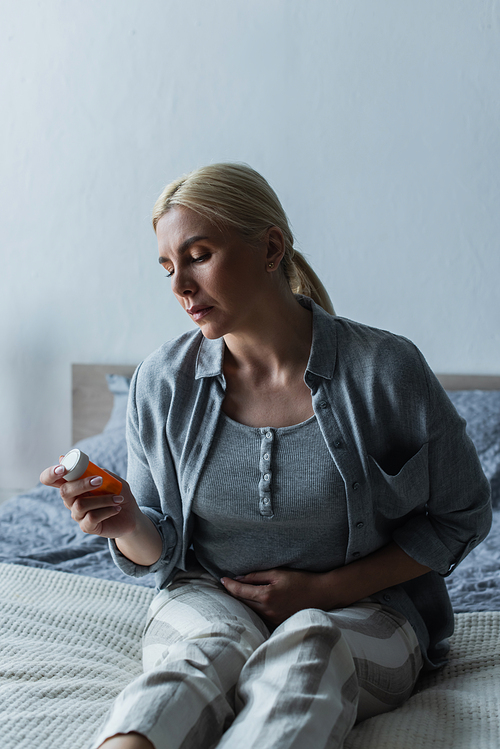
pixel 127 741
pixel 196 641
pixel 386 656
pixel 318 673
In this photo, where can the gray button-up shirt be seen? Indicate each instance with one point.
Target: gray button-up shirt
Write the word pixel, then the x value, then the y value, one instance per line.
pixel 410 471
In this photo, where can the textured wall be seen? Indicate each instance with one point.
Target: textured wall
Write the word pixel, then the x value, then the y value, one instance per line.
pixel 377 123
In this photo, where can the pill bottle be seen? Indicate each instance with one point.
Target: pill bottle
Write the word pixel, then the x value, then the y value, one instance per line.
pixel 78 466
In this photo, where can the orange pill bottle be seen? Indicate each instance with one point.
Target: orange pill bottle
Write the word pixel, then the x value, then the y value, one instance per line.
pixel 78 466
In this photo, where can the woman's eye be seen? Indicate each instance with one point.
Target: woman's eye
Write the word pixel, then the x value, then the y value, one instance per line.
pixel 198 259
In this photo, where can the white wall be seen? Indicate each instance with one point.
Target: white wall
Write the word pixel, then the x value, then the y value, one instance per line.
pixel 376 122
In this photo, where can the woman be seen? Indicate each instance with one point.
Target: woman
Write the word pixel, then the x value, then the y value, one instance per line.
pixel 299 483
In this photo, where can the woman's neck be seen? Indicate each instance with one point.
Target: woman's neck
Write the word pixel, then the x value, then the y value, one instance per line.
pixel 264 371
pixel 279 341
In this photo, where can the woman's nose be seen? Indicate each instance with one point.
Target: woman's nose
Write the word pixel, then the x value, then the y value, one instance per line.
pixel 182 283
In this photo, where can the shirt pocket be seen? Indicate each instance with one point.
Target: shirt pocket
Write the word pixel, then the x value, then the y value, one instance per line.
pixel 397 495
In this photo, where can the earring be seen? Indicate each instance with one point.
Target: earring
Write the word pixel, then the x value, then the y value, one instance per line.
pixel 270 265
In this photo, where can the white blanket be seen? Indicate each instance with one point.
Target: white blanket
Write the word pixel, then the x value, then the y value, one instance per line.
pixel 69 644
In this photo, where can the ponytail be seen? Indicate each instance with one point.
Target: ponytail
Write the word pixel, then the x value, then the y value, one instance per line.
pixel 303 280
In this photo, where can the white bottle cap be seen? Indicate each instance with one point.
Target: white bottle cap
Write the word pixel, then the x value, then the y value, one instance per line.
pixel 76 463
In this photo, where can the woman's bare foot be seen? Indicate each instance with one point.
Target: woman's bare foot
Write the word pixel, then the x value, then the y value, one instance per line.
pixel 127 741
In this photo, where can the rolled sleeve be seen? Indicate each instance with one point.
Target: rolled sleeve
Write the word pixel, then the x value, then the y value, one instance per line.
pixel 168 537
pixel 144 488
pixel 421 541
pixel 458 512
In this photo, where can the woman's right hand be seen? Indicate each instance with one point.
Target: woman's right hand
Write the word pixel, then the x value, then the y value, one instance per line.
pixel 100 515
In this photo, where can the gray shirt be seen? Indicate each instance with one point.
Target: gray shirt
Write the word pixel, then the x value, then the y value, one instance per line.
pixel 269 498
pixel 411 474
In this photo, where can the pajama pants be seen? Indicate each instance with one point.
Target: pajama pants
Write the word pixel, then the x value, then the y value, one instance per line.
pixel 214 676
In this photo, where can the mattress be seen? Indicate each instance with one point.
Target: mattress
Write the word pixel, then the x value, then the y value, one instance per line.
pixel 70 643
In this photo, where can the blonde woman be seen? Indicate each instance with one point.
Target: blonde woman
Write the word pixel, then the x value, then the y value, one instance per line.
pixel 299 484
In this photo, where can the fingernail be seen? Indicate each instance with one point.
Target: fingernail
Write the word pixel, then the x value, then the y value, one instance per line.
pixel 59 470
pixel 96 481
pixel 118 499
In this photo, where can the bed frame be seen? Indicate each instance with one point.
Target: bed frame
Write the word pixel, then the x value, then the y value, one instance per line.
pixel 92 401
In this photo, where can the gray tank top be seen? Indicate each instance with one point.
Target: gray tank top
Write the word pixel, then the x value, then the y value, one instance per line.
pixel 269 498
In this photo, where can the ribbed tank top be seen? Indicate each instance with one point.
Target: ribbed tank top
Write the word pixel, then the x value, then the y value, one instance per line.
pixel 269 498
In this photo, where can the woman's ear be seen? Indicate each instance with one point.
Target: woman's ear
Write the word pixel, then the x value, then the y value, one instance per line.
pixel 275 247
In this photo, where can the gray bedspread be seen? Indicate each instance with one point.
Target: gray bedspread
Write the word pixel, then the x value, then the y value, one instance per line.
pixel 36 529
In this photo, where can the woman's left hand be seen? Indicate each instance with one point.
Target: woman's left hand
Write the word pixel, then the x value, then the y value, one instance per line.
pixel 277 594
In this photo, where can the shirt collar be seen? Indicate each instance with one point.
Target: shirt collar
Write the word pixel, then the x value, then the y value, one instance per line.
pixel 324 342
pixel 321 359
pixel 210 357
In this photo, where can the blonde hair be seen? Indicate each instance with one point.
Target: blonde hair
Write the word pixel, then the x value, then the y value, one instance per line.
pixel 236 196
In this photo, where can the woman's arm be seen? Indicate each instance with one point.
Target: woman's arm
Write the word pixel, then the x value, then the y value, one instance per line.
pixel 117 517
pixel 277 594
pixel 142 546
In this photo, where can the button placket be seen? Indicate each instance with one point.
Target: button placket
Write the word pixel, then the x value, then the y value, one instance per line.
pixel 266 446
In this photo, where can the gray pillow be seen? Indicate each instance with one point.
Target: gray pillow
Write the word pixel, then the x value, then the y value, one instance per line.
pixel 481 410
pixel 119 386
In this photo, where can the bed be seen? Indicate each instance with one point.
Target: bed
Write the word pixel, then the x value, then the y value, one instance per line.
pixel 71 621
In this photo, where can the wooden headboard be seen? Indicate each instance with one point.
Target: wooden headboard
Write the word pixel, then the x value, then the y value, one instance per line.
pixel 92 401
pixel 469 382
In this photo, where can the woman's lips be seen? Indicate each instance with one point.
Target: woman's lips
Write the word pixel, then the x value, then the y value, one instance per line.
pixel 197 313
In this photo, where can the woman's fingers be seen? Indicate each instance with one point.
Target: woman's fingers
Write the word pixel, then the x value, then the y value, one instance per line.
pixel 264 577
pixel 85 504
pixel 69 490
pixel 245 591
pixel 92 521
pixel 53 476
pixel 276 594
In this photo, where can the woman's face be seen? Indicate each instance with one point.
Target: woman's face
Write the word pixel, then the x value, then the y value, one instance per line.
pixel 217 277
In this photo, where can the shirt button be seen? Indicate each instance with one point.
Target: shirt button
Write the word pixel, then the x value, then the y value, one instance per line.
pixel 387 597
pixel 266 501
pixel 266 477
pixel 337 443
pixel 360 525
pixel 356 553
pixel 266 456
pixel 355 486
pixel 323 404
pixel 269 435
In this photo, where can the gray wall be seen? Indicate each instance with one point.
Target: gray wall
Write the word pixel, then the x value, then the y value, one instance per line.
pixel 376 122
